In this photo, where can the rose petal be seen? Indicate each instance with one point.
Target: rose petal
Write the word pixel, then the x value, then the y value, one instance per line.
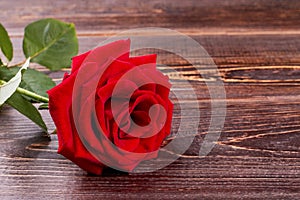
pixel 60 98
pixel 142 60
pixel 77 61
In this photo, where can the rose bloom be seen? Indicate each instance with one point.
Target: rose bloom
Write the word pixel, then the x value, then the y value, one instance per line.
pixel 120 134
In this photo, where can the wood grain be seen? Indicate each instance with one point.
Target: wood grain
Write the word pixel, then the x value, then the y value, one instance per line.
pixel 256 46
pixel 122 14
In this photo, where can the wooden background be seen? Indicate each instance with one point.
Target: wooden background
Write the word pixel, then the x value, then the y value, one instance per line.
pixel 255 44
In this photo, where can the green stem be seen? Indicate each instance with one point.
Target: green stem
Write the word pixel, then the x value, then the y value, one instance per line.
pixel 30 94
pixel 33 95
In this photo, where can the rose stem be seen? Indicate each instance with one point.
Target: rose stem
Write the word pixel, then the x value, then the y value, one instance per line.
pixel 30 94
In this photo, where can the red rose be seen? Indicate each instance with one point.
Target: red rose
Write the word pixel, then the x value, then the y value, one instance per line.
pixel 111 110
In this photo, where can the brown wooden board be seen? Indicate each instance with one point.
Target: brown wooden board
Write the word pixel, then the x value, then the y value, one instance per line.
pixel 256 46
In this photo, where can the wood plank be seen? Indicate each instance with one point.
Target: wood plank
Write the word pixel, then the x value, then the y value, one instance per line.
pixel 248 57
pixel 110 15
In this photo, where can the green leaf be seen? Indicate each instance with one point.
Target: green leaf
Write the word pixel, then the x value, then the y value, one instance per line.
pixel 5 43
pixel 8 88
pixel 35 81
pixel 50 43
pixel 5 73
pixel 18 102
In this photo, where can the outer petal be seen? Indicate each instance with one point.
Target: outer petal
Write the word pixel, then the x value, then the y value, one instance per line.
pixel 70 145
pixel 77 61
pixel 141 60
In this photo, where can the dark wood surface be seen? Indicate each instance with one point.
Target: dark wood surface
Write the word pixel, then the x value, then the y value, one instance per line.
pixel 256 46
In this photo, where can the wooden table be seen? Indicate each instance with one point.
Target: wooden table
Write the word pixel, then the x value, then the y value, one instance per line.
pixel 256 46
